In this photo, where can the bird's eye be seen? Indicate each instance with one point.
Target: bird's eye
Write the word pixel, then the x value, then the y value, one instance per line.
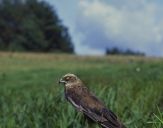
pixel 67 78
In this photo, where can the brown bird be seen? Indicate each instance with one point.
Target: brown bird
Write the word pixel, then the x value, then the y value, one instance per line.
pixel 84 101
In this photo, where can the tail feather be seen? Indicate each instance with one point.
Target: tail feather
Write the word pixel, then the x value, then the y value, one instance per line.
pixel 107 124
pixel 112 120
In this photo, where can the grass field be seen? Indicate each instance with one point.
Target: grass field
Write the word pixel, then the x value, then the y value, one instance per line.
pixel 30 96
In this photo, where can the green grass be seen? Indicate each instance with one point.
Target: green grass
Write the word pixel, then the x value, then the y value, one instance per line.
pixel 30 96
pixel 157 120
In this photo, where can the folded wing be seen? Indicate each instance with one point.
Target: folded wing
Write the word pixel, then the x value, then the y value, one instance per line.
pixel 93 108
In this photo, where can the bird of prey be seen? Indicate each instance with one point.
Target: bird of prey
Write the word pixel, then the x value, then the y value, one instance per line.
pixel 84 101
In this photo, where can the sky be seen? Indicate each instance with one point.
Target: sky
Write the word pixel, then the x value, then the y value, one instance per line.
pixel 95 25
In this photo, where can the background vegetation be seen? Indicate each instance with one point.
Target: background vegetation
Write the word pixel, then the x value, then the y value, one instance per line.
pixel 30 96
pixel 32 25
pixel 118 51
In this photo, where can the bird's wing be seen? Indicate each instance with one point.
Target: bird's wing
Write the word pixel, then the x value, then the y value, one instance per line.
pixel 99 113
pixel 93 108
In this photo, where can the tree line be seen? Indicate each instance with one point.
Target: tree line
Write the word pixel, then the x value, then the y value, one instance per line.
pixel 117 51
pixel 32 25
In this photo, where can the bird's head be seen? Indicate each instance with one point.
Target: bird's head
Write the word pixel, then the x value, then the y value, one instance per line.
pixel 68 79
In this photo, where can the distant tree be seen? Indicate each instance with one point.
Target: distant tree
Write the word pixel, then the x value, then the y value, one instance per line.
pixel 32 25
pixel 113 51
pixel 117 51
pixel 130 52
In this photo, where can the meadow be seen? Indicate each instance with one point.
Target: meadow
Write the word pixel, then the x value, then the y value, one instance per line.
pixel 30 96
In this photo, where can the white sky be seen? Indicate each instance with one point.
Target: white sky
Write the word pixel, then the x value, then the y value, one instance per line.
pixel 95 25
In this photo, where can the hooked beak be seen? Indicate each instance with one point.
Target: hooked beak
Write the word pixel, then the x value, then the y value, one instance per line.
pixel 61 81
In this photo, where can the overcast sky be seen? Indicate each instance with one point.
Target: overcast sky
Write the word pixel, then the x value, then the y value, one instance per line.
pixel 95 25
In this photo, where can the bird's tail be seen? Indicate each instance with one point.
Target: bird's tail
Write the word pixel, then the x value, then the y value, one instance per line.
pixel 107 124
pixel 112 120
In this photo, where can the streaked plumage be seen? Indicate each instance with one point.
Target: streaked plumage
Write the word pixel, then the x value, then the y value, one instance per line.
pixel 84 101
